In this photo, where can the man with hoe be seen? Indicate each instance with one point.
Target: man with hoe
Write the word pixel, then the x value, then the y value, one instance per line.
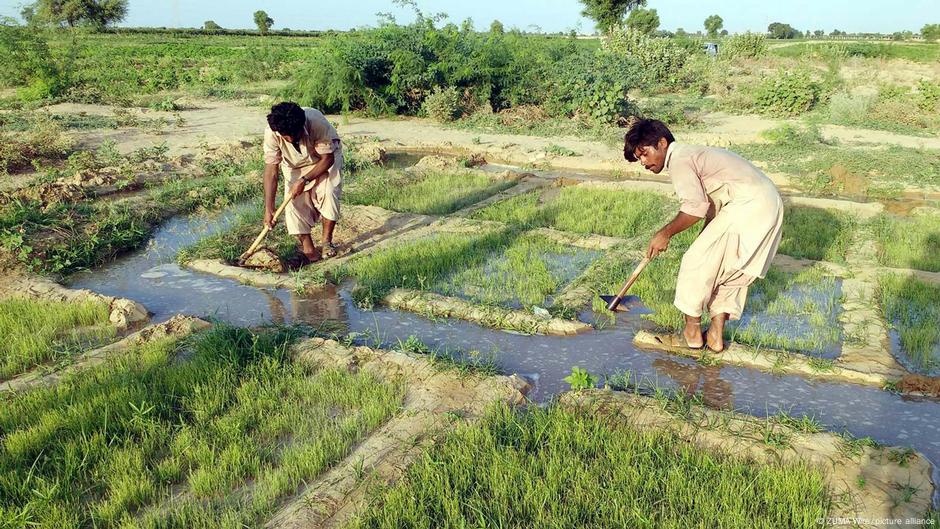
pixel 307 149
pixel 743 215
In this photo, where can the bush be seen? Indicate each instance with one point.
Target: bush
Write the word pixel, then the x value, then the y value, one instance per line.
pixel 45 139
pixel 661 59
pixel 594 84
pixel 26 61
pixel 850 109
pixel 928 95
pixel 788 94
pixel 443 105
pixel 744 46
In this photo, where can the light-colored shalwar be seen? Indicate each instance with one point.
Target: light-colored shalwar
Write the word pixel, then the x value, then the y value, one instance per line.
pixel 319 138
pixel 739 243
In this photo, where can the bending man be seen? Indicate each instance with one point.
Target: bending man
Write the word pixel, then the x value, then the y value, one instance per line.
pixel 307 148
pixel 743 216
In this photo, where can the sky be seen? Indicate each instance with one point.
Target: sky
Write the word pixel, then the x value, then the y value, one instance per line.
pixel 867 16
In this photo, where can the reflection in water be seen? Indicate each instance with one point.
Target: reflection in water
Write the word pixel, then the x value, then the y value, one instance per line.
pixel 694 378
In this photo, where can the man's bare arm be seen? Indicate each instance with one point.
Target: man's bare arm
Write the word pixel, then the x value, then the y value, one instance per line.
pixel 270 176
pixel 320 169
pixel 660 241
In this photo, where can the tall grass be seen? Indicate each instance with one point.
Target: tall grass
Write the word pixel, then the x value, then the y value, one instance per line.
pixel 908 243
pixel 216 440
pixel 913 309
pixel 584 210
pixel 35 332
pixel 551 468
pixel 430 193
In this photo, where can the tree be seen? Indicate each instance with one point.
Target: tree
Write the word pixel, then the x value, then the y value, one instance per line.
pixel 467 25
pixel 496 28
pixel 681 32
pixel 779 30
pixel 263 21
pixel 713 25
pixel 609 13
pixel 210 25
pixel 98 13
pixel 930 32
pixel 646 21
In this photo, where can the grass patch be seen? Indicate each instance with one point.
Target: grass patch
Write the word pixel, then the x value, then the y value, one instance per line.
pixel 42 140
pixel 429 193
pixel 911 51
pixel 908 243
pixel 36 332
pixel 823 167
pixel 583 210
pixel 551 468
pixel 913 309
pixel 818 234
pixel 148 441
pixel 229 245
pixel 66 237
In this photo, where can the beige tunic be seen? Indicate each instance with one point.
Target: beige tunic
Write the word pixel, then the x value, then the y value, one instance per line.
pixel 319 138
pixel 739 244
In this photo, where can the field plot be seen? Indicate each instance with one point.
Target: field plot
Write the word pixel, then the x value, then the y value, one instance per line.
pixel 434 192
pixel 575 209
pixel 912 308
pixel 154 440
pixel 555 468
pixel 817 234
pixel 908 243
pixel 41 332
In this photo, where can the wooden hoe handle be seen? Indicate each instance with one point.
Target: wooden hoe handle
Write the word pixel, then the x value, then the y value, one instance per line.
pixel 265 230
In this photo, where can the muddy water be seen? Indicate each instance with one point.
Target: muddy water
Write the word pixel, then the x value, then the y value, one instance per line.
pixel 152 278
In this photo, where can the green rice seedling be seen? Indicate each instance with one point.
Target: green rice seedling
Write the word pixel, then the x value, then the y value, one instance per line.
pixel 818 234
pixel 626 214
pixel 229 245
pixel 36 332
pixel 908 243
pixel 803 423
pixel 552 468
pixel 430 193
pixel 420 263
pixel 913 309
pixel 524 274
pixel 822 365
pixel 151 441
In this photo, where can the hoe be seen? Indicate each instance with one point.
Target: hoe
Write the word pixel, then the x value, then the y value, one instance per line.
pixel 264 231
pixel 613 302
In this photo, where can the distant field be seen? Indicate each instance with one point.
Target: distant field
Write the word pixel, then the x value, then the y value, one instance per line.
pixel 912 51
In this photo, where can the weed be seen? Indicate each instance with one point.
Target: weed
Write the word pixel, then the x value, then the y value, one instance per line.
pixel 580 379
pixel 913 307
pixel 558 150
pixel 908 243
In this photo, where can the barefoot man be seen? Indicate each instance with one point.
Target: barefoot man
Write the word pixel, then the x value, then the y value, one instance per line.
pixel 743 216
pixel 307 148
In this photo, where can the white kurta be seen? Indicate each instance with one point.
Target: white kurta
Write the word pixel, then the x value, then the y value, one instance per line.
pixel 739 244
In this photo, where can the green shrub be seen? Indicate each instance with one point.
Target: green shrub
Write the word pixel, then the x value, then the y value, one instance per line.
pixel 443 105
pixel 26 61
pixel 788 94
pixel 662 60
pixel 928 95
pixel 594 84
pixel 744 46
pixel 850 109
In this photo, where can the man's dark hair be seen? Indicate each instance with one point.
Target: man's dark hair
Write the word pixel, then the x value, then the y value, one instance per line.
pixel 642 133
pixel 287 118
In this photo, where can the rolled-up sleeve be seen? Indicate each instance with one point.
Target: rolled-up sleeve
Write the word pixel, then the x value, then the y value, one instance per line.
pixel 272 150
pixel 689 189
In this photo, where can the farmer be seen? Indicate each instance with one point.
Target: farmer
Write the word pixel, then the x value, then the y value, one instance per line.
pixel 743 215
pixel 307 148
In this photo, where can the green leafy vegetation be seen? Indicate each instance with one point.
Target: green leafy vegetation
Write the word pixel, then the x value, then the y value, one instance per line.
pixel 42 140
pixel 65 237
pixel 426 192
pixel 551 468
pixel 229 245
pixel 580 379
pixel 908 243
pixel 788 94
pixel 37 332
pixel 818 234
pixel 911 51
pixel 913 309
pixel 584 210
pixel 219 439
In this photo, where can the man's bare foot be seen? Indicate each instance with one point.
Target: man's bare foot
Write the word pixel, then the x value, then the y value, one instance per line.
pixel 312 257
pixel 693 334
pixel 714 338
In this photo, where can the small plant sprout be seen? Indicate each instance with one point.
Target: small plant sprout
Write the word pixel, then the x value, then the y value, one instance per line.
pixel 580 379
